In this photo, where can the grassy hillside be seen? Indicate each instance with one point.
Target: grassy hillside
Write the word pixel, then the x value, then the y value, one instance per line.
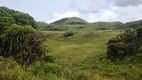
pixel 134 24
pixel 70 21
pixel 42 25
pixel 107 25
pixel 77 24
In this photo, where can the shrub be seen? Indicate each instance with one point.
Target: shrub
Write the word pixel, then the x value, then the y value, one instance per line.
pixel 9 17
pixel 42 68
pixel 22 43
pixel 17 74
pixel 123 46
pixel 5 18
pixel 52 68
pixel 140 50
pixel 50 59
pixel 68 34
pixel 10 70
pixel 139 32
pixel 116 50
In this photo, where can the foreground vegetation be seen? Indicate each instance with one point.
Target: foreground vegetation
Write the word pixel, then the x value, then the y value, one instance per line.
pixel 70 51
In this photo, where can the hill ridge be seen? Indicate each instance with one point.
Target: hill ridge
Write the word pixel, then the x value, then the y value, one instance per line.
pixel 71 20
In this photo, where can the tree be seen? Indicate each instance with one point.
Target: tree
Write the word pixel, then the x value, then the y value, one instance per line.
pixel 9 17
pixel 22 43
pixel 18 37
pixel 139 32
pixel 123 46
pixel 24 19
pixel 5 19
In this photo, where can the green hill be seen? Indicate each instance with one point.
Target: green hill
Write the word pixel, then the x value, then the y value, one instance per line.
pixel 134 24
pixel 75 23
pixel 42 25
pixel 107 25
pixel 70 21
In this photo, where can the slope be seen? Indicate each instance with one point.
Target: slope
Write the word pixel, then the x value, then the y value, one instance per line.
pixel 71 20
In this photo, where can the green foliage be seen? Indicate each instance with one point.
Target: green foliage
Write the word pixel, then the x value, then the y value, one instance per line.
pixel 123 46
pixel 51 28
pixel 5 20
pixel 140 49
pixel 139 32
pixel 23 43
pixel 107 25
pixel 134 24
pixel 75 23
pixel 45 68
pixel 52 68
pixel 84 56
pixel 24 19
pixel 68 34
pixel 117 50
pixel 10 70
pixel 50 59
pixel 8 17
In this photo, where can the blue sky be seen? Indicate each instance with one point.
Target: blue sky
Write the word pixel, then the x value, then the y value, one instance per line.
pixel 90 10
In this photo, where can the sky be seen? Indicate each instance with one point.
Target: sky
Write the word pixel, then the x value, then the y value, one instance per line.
pixel 90 10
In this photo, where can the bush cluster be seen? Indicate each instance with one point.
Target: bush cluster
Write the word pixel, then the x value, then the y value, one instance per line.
pixel 124 45
pixel 68 34
pixel 22 43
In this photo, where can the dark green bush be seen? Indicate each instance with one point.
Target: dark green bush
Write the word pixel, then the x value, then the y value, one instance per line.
pixel 23 43
pixel 50 59
pixel 139 32
pixel 123 46
pixel 9 17
pixel 0 76
pixel 24 19
pixel 116 50
pixel 140 50
pixel 5 18
pixel 68 34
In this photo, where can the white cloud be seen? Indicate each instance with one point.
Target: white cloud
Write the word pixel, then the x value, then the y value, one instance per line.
pixel 123 14
pixel 124 3
pixel 104 10
pixel 67 14
pixel 87 6
pixel 109 10
pixel 107 15
pixel 58 16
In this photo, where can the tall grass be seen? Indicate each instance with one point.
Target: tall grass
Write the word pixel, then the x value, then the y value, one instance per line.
pixel 81 57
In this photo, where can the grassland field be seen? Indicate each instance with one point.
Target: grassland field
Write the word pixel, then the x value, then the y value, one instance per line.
pixel 80 56
pixel 79 47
